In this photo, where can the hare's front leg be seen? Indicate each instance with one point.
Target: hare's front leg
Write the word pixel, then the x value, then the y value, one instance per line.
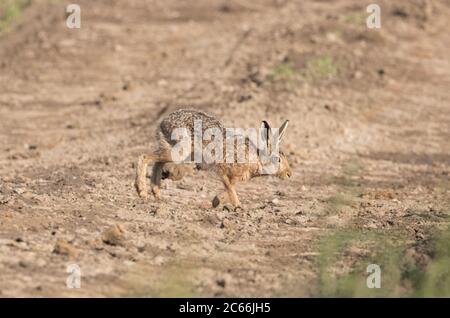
pixel 156 178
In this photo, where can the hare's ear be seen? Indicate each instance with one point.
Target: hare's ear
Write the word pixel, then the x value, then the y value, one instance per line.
pixel 282 130
pixel 265 133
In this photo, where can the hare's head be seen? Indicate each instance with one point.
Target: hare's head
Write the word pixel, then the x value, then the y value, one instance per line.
pixel 273 161
pixel 284 171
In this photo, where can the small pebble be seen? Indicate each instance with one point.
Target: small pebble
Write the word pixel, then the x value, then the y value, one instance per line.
pixel 114 236
pixel 64 248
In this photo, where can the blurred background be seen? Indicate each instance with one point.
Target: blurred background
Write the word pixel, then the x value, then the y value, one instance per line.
pixel 368 143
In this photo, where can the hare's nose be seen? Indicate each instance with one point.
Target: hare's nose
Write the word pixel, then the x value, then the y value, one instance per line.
pixel 289 174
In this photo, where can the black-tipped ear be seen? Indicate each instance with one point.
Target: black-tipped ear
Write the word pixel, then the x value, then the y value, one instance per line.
pixel 282 130
pixel 265 132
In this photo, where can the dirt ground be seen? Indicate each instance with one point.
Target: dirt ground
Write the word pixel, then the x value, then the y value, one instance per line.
pixel 368 143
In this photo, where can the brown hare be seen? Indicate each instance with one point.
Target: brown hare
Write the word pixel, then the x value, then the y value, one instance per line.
pixel 230 172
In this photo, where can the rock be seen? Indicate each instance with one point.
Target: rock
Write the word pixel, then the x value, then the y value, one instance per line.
pixel 224 280
pixel 114 236
pixel 160 210
pixel 172 247
pixel 226 224
pixel 221 282
pixel 371 226
pixel 215 202
pixel 288 221
pixel 420 236
pixel 28 195
pixel 3 199
pixel 64 248
pixel 19 190
pixel 127 86
pixel 276 201
pixel 96 244
pixel 243 98
pixel 162 82
pixel 40 262
pixel 205 205
pixel 30 147
pixel 212 219
pixel 24 264
pixel 158 260
pixel 183 186
pixel 358 75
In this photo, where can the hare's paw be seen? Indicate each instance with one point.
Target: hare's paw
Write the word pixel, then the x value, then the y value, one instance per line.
pixel 228 204
pixel 238 208
pixel 143 195
pixel 232 208
pixel 156 192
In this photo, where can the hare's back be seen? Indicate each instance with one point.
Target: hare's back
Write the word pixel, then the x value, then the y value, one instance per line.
pixel 186 119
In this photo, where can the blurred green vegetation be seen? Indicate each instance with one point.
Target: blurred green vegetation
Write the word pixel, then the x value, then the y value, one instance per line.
pixel 316 68
pixel 407 269
pixel 435 282
pixel 172 280
pixel 354 18
pixel 10 12
pixel 321 67
pixel 401 276
pixel 348 189
pixel 283 71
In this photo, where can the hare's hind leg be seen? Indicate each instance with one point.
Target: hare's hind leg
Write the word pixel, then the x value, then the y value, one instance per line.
pixel 159 158
pixel 141 172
